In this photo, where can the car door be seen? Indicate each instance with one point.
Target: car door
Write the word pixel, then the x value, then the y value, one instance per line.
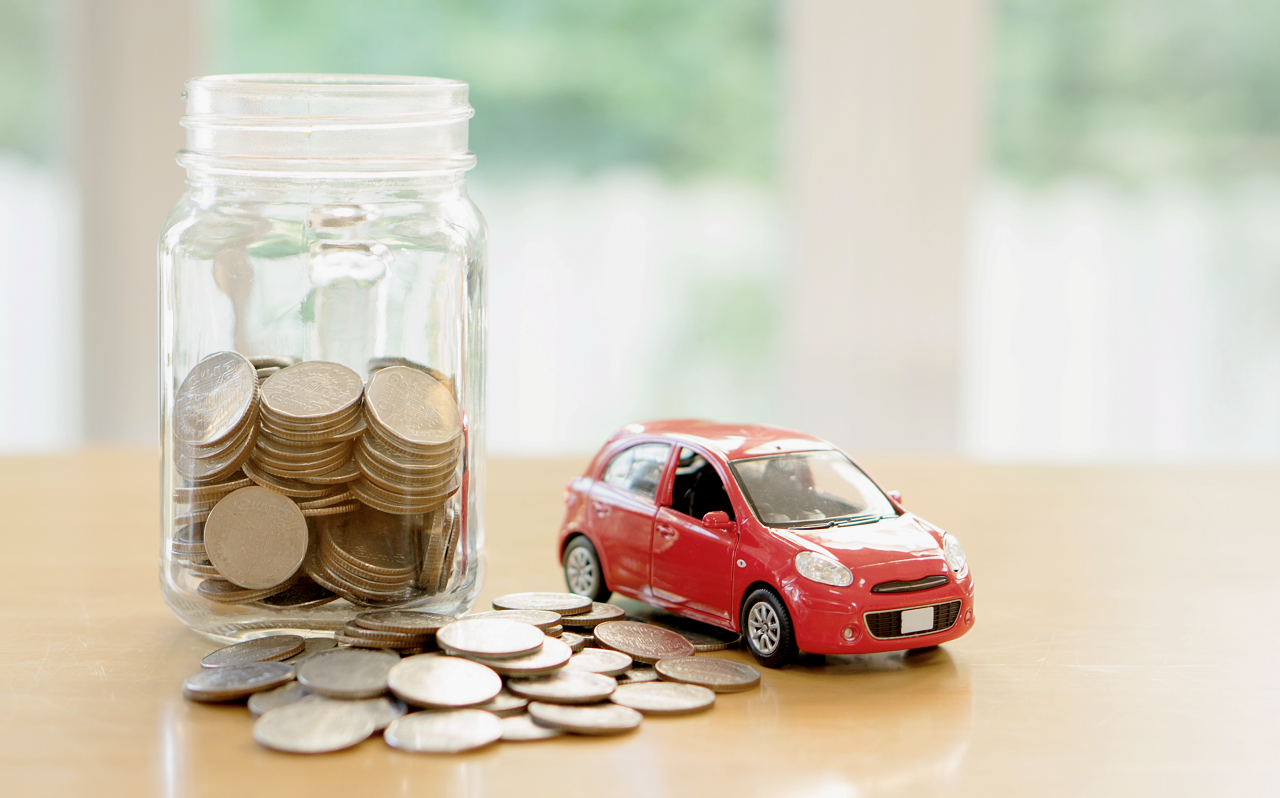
pixel 693 563
pixel 621 512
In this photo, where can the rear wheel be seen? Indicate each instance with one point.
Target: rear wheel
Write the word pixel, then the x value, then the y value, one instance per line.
pixel 582 572
pixel 766 626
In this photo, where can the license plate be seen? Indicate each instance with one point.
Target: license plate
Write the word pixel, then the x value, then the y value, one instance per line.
pixel 917 620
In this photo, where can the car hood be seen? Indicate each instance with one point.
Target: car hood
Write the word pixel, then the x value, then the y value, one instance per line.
pixel 892 540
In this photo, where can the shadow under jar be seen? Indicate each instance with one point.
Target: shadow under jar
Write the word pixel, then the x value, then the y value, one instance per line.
pixel 322 354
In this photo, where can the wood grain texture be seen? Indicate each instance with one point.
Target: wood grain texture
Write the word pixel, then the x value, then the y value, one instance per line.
pixel 1125 643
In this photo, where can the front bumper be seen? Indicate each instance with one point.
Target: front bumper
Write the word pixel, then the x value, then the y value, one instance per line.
pixel 875 624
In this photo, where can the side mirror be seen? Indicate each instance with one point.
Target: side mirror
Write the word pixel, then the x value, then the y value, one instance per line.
pixel 717 519
pixel 896 496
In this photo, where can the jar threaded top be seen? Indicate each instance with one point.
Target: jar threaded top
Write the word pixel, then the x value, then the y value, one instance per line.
pixel 326 125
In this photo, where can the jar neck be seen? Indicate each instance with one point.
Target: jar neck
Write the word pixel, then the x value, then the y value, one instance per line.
pixel 311 188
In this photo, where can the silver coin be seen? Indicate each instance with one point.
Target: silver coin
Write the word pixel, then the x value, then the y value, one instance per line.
pixel 644 642
pixel 553 656
pixel 443 732
pixel 521 728
pixel 348 672
pixel 315 725
pixel 720 675
pixel 563 603
pixel 491 638
pixel 262 649
pixel 236 681
pixel 638 676
pixel 543 619
pixel 264 702
pixel 310 647
pixel 594 719
pixel 433 680
pixel 566 687
pixel 575 642
pixel 383 709
pixel 504 704
pixel 599 660
pixel 598 614
pixel 403 621
pixel 663 698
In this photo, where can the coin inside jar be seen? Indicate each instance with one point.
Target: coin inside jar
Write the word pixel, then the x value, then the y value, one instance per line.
pixel 443 732
pixel 592 719
pixel 405 621
pixel 663 698
pixel 314 725
pixel 720 675
pixel 256 538
pixel 492 638
pixel 348 672
pixel 432 680
pixel 645 643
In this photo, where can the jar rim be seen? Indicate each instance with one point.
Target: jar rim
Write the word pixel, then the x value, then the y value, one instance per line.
pixel 308 81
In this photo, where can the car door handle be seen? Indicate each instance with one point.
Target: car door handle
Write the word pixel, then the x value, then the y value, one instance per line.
pixel 666 531
pixel 601 509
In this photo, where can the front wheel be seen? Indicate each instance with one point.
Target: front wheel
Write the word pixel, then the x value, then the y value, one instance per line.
pixel 582 571
pixel 766 626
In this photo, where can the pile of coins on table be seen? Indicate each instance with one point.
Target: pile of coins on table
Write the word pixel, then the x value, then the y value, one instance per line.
pixel 298 484
pixel 492 676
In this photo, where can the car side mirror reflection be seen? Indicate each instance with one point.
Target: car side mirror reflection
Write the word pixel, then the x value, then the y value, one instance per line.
pixel 717 519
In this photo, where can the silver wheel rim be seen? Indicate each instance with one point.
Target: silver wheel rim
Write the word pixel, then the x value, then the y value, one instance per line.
pixel 580 572
pixel 763 628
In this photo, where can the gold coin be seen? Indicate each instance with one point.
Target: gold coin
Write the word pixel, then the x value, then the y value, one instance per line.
pixel 412 407
pixel 214 399
pixel 327 501
pixel 256 538
pixel 297 489
pixel 347 472
pixel 224 592
pixel 210 493
pixel 312 391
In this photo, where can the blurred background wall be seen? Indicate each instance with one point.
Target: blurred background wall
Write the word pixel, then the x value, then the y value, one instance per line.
pixel 1008 229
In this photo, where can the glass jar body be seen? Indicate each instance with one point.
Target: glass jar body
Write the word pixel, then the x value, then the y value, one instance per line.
pixel 360 277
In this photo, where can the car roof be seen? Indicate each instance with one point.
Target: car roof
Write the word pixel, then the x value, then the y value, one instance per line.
pixel 733 441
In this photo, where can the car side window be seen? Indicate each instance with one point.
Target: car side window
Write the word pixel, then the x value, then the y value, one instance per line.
pixel 638 469
pixel 698 489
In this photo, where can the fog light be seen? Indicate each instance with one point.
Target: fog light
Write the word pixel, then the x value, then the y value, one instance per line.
pixel 849 633
pixel 968 618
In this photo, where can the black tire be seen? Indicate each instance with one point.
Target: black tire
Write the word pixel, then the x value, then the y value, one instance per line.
pixel 582 572
pixel 767 629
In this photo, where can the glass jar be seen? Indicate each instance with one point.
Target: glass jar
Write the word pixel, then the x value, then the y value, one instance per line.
pixel 322 355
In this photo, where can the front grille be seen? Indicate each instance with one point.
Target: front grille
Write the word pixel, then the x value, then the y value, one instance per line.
pixel 888 624
pixel 907 587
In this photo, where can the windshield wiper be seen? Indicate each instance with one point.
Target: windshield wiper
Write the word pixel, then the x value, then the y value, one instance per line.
pixel 868 518
pixel 842 520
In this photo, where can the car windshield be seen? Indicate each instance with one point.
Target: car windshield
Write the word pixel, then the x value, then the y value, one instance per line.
pixel 809 489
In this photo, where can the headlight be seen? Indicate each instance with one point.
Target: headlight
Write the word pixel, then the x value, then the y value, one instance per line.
pixel 823 569
pixel 954 552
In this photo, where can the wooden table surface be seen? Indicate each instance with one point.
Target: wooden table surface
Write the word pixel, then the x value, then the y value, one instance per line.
pixel 1125 643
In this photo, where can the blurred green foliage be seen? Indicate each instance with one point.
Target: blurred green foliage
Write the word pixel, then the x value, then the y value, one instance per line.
pixel 28 85
pixel 1133 90
pixel 689 87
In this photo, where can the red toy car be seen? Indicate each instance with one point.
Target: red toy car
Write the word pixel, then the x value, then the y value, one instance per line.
pixel 763 531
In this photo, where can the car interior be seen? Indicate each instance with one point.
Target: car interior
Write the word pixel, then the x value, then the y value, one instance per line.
pixel 698 489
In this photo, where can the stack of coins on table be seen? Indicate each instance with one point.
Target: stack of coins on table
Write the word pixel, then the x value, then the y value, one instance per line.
pixel 498 678
pixel 377 533
pixel 408 457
